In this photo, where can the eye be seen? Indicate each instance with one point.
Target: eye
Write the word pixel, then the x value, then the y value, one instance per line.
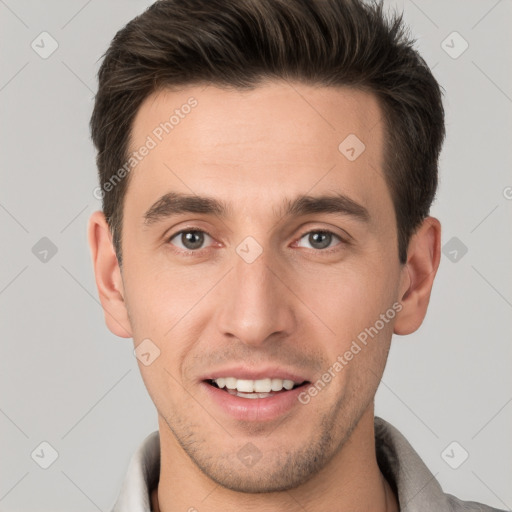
pixel 190 239
pixel 320 239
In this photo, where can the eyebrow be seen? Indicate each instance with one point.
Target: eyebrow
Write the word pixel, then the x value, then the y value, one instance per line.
pixel 175 203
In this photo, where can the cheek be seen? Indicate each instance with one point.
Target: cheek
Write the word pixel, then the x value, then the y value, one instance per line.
pixel 158 297
pixel 345 296
pixel 165 307
pixel 161 384
pixel 350 302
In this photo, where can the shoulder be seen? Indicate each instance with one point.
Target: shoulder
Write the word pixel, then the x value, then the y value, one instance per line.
pixel 457 504
pixel 414 484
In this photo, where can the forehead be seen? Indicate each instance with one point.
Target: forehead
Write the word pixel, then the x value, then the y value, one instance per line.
pixel 278 139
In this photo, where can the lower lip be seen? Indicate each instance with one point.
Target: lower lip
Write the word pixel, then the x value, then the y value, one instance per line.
pixel 254 409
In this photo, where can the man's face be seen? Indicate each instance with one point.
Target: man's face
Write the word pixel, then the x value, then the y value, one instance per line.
pixel 256 293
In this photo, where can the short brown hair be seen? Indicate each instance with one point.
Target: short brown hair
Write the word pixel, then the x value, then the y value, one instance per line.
pixel 239 44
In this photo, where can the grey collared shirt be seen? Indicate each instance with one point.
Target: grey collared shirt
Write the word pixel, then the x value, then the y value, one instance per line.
pixel 414 485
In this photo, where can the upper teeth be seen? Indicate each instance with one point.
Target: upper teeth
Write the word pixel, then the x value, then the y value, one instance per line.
pixel 258 386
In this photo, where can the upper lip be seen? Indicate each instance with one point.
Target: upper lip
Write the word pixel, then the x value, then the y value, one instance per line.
pixel 241 372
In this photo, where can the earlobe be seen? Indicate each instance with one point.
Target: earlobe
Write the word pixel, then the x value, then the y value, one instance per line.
pixel 108 276
pixel 423 260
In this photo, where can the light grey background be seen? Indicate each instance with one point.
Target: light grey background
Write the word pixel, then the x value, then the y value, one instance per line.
pixel 68 381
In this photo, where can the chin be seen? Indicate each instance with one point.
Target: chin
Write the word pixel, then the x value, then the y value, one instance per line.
pixel 274 471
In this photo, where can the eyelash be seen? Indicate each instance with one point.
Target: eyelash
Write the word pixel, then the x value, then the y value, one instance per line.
pixel 198 252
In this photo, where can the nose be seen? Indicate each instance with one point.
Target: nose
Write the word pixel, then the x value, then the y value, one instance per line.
pixel 256 303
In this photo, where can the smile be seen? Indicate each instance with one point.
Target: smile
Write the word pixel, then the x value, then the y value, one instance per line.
pixel 260 388
pixel 263 399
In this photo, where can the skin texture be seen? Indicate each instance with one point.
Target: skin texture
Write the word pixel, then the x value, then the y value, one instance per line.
pixel 295 306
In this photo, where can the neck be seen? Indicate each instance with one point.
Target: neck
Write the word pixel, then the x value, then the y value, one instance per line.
pixel 351 481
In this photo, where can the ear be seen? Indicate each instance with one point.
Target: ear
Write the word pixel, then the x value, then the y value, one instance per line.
pixel 108 276
pixel 423 257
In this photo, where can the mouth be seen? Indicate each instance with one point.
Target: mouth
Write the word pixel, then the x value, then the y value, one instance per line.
pixel 255 389
pixel 255 395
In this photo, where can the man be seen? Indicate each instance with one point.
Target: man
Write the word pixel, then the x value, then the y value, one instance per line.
pixel 267 169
